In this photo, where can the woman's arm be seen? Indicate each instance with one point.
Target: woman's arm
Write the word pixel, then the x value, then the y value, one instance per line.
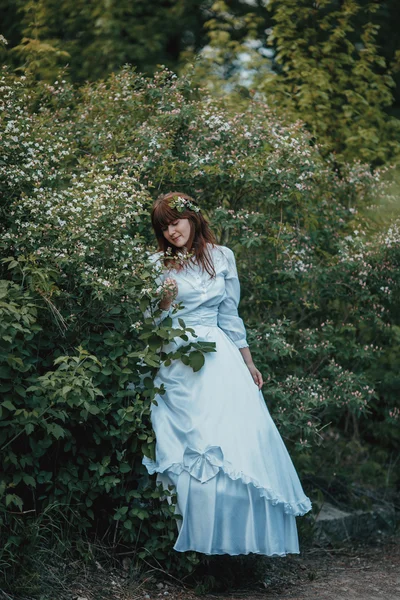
pixel 248 359
pixel 229 319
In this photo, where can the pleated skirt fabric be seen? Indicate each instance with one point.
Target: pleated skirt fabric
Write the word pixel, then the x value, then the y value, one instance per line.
pixel 224 516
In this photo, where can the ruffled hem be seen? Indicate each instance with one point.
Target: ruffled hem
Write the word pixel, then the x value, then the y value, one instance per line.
pixel 295 508
pixel 259 552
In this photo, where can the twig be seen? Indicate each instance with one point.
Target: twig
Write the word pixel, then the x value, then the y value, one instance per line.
pixel 58 316
pixel 20 512
pixel 162 571
pixel 330 551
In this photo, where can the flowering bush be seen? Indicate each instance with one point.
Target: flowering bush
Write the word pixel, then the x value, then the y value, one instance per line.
pixel 78 174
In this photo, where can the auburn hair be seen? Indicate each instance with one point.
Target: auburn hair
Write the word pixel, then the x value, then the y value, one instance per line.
pixel 163 214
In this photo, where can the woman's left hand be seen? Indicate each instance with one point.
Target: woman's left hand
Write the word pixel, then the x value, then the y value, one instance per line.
pixel 256 375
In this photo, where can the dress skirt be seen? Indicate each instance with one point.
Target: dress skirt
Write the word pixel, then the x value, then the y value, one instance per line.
pixel 237 489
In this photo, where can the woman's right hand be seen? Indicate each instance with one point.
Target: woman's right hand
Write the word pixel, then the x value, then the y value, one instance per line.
pixel 169 293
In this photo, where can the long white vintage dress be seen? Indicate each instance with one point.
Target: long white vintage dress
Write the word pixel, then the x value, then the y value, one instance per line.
pixel 237 489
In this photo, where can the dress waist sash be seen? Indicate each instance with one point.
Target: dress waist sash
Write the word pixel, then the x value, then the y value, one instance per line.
pixel 200 319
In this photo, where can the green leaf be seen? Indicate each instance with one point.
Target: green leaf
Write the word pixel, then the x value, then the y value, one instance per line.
pixel 8 404
pixel 124 468
pixel 149 361
pixel 29 480
pixel 14 499
pixel 196 360
pixel 143 303
pixel 20 391
pixel 55 430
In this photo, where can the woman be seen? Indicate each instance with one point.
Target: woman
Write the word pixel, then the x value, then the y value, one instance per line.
pixel 237 489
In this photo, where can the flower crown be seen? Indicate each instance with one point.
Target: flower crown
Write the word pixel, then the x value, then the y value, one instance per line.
pixel 181 204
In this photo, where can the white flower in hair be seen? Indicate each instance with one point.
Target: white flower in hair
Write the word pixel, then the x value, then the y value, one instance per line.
pixel 181 204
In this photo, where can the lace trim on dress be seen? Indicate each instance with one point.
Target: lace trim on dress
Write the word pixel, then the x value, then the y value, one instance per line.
pixel 204 465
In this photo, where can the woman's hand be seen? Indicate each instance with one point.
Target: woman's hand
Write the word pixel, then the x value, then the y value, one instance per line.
pixel 169 293
pixel 256 375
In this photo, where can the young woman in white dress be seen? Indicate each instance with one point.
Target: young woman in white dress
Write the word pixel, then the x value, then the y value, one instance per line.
pixel 237 489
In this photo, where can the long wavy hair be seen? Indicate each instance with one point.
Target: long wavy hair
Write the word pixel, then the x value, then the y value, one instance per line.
pixel 200 233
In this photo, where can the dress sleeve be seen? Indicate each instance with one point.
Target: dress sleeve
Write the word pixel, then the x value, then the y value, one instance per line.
pixel 149 312
pixel 228 317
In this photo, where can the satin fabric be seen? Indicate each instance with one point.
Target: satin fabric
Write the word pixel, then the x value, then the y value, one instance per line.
pixel 237 489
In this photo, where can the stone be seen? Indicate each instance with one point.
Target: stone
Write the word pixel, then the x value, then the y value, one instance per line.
pixel 333 525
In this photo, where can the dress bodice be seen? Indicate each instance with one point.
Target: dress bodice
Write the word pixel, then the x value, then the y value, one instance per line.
pixel 206 299
pixel 197 290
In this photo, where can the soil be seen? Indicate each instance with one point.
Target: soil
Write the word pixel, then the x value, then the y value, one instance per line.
pixel 357 572
pixel 351 573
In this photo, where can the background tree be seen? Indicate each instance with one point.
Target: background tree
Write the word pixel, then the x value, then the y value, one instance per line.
pixel 333 64
pixel 334 77
pixel 95 38
pixel 320 62
pixel 98 37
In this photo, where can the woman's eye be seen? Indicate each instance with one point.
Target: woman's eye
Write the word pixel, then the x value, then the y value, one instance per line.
pixel 174 223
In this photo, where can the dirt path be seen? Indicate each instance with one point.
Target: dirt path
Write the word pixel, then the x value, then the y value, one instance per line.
pixel 362 573
pixel 348 573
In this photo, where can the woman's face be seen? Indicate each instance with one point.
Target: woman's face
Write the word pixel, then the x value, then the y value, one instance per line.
pixel 178 232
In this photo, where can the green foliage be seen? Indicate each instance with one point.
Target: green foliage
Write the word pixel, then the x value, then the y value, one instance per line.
pixel 81 338
pixel 332 64
pixel 96 38
pixel 321 64
pixel 77 359
pixel 335 76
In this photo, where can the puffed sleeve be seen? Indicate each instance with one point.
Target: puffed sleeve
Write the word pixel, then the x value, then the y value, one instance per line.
pixel 159 279
pixel 228 317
